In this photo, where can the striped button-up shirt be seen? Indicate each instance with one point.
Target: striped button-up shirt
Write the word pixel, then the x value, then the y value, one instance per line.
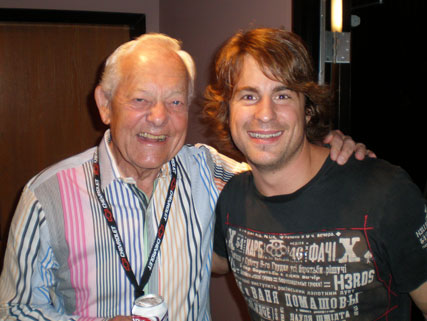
pixel 61 262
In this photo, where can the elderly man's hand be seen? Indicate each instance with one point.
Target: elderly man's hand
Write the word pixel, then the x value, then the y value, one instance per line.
pixel 342 147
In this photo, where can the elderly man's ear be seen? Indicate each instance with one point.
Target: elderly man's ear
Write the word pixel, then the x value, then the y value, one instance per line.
pixel 103 105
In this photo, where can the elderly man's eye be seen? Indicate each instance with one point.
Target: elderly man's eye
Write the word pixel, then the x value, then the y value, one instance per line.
pixel 176 103
pixel 140 103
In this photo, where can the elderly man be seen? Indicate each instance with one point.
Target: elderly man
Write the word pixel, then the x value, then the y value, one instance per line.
pixel 129 217
pixel 307 239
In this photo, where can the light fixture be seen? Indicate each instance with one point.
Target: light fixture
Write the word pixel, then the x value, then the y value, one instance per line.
pixel 336 15
pixel 334 44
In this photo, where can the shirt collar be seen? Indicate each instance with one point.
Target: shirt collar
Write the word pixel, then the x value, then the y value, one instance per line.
pixel 108 166
pixel 109 169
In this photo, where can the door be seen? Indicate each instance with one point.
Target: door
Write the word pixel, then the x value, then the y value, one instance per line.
pixel 48 72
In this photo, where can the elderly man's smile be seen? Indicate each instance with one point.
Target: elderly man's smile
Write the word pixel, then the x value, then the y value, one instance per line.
pixel 151 137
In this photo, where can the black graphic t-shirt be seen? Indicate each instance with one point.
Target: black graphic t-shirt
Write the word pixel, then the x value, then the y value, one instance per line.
pixel 349 245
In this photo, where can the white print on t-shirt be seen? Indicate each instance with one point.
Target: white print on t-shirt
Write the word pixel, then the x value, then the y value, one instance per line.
pixel 421 233
pixel 314 276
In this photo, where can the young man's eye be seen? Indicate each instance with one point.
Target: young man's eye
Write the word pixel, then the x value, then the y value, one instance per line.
pixel 249 97
pixel 283 96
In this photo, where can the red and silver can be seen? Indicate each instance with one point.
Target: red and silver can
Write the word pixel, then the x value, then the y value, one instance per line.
pixel 150 307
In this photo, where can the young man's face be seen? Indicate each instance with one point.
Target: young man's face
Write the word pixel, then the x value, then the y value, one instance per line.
pixel 267 120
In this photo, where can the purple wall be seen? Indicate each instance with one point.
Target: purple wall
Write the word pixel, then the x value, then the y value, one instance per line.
pixel 204 25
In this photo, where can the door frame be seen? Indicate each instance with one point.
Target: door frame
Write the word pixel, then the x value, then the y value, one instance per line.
pixel 135 21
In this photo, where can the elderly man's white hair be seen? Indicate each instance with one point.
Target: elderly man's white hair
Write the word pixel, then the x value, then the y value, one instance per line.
pixel 112 73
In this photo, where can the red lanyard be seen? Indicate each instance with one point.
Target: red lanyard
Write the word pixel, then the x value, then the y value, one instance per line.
pixel 108 214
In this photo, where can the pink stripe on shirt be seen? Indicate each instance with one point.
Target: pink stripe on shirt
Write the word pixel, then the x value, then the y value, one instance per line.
pixel 75 231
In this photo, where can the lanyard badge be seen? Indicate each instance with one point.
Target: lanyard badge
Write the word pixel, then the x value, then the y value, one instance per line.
pixel 111 222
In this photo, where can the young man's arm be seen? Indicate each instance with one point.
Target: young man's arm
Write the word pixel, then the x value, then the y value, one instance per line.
pixel 219 264
pixel 419 296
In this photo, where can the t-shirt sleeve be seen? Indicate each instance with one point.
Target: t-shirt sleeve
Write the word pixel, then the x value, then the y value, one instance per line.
pixel 219 235
pixel 404 229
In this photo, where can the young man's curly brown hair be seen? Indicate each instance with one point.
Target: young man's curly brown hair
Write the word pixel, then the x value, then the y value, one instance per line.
pixel 282 56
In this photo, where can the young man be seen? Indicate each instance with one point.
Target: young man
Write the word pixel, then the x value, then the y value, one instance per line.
pixel 307 239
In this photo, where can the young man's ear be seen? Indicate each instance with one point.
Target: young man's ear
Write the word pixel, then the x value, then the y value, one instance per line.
pixel 103 104
pixel 308 108
pixel 308 114
pixel 307 118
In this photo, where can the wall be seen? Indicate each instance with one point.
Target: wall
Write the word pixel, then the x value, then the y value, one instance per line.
pixel 204 25
pixel 149 7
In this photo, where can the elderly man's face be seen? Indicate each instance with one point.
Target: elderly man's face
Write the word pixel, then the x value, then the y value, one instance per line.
pixel 148 112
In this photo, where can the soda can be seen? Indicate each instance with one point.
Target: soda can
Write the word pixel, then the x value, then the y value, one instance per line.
pixel 150 307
